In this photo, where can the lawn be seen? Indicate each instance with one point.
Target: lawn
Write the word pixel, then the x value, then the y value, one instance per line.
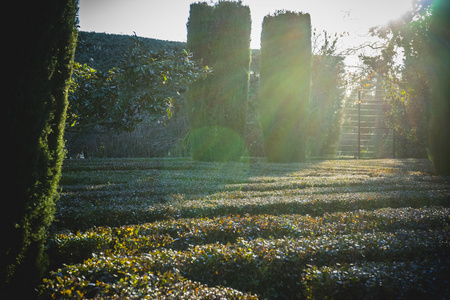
pixel 175 228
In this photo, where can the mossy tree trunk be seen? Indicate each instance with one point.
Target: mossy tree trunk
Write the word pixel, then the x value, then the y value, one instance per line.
pixel 36 101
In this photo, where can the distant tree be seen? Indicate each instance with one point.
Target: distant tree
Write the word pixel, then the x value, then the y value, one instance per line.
pixel 219 37
pixel 36 101
pixel 327 94
pixel 407 85
pixel 418 89
pixel 440 88
pixel 284 93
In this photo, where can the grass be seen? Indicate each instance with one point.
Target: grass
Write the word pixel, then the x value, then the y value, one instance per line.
pixel 162 228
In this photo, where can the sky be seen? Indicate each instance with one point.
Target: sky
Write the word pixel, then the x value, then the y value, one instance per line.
pixel 166 19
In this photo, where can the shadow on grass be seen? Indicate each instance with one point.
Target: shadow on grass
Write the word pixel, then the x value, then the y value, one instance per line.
pixel 115 192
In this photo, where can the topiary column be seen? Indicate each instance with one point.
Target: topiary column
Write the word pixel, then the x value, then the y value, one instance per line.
pixel 439 54
pixel 285 85
pixel 219 37
pixel 36 101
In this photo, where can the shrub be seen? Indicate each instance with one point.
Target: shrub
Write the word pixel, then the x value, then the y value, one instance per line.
pixel 128 278
pixel 285 267
pixel 142 84
pixel 180 233
pixel 377 280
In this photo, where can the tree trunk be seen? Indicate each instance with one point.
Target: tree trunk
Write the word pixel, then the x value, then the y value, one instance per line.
pixel 41 55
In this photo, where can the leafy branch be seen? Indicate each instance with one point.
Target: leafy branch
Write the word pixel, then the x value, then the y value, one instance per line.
pixel 143 84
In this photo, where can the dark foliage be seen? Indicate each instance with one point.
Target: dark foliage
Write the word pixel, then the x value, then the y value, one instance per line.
pixel 343 229
pixel 143 83
pixel 104 51
pixel 439 52
pixel 36 102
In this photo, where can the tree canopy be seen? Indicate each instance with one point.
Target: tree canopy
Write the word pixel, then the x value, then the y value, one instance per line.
pixel 142 84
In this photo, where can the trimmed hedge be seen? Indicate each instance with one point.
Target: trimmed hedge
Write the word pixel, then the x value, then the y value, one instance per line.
pixel 179 234
pixel 219 37
pixel 128 278
pixel 285 85
pixel 103 51
pixel 133 191
pixel 379 280
pixel 78 215
pixel 274 267
pixel 295 230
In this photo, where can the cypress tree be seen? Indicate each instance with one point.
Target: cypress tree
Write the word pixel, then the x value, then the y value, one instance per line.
pixel 285 85
pixel 440 88
pixel 36 101
pixel 219 37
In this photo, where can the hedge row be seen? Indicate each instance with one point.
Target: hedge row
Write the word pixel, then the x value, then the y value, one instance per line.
pixel 149 177
pixel 271 267
pixel 77 214
pixel 133 277
pixel 180 234
pixel 379 280
pixel 141 182
pixel 323 229
pixel 128 278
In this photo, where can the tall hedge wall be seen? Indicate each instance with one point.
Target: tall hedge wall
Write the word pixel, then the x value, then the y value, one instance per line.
pixel 36 101
pixel 285 85
pixel 104 51
pixel 219 37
